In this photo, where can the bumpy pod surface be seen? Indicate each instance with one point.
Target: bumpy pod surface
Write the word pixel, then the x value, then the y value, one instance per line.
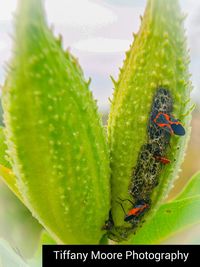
pixel 56 142
pixel 158 58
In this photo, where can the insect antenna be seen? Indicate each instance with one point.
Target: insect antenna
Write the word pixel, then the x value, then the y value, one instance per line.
pixel 126 199
pixel 121 206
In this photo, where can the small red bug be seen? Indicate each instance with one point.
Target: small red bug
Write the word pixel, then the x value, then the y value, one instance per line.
pixel 162 159
pixel 169 124
pixel 136 212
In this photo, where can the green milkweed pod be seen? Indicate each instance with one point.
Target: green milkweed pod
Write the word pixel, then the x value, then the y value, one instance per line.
pixel 158 58
pixel 57 146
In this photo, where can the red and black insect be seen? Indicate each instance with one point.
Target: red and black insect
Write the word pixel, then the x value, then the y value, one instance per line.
pixel 169 124
pixel 176 126
pixel 136 212
pixel 163 160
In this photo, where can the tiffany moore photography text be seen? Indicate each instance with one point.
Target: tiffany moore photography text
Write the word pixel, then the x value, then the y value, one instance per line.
pixel 153 255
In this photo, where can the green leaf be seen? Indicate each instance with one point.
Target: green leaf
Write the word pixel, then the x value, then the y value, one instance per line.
pixel 192 189
pixel 45 238
pixel 9 257
pixel 17 223
pixel 157 58
pixel 172 217
pixel 54 134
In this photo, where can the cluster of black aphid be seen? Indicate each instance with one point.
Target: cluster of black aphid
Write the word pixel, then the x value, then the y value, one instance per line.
pixel 146 172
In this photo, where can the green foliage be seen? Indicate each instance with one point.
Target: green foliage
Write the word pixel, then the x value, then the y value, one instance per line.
pixel 45 238
pixel 9 257
pixel 17 223
pixel 192 189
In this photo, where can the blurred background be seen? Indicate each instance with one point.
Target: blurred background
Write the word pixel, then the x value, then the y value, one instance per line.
pixel 98 33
